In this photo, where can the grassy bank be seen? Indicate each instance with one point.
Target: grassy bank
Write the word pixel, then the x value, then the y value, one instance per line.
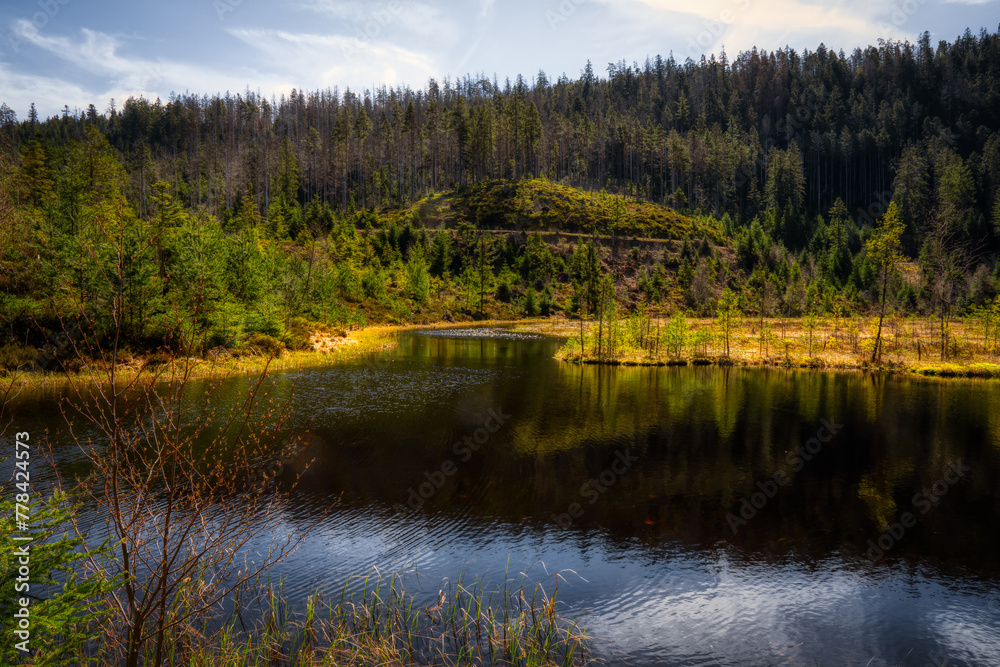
pixel 326 347
pixel 909 344
pixel 218 363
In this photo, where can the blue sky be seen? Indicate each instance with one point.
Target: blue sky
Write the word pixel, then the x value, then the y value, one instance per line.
pixel 78 52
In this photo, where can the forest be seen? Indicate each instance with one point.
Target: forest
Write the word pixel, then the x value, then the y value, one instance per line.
pixel 786 183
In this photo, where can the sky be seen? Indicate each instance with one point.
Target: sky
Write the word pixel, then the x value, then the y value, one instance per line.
pixel 81 52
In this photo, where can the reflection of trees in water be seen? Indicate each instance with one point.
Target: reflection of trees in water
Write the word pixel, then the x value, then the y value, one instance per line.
pixel 705 436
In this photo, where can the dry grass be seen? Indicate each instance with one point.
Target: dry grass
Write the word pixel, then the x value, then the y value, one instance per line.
pixel 909 344
pixel 219 363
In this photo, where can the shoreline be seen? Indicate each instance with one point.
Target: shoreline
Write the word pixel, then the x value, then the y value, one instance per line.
pixel 791 351
pixel 329 349
pixel 979 370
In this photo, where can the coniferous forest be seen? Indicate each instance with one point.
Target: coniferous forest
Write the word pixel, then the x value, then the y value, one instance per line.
pixel 206 487
pixel 767 174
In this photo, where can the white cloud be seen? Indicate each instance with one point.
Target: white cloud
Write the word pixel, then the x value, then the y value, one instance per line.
pixel 410 19
pixel 276 62
pixel 327 60
pixel 49 94
pixel 359 44
pixel 742 24
pixel 121 76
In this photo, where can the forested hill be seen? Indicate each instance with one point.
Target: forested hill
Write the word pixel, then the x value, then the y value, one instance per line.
pixel 778 133
pixel 772 168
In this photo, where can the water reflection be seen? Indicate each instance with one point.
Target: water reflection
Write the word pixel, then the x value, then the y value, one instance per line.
pixel 465 452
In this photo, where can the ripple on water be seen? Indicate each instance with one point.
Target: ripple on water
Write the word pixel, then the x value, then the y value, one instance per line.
pixel 482 332
pixel 358 391
pixel 650 592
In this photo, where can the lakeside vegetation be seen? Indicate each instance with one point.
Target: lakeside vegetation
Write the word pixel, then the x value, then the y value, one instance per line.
pixel 817 210
pixel 515 623
pixel 174 582
pixel 852 187
pixel 258 356
pixel 911 344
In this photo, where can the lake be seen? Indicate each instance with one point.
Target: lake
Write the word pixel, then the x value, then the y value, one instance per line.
pixel 694 515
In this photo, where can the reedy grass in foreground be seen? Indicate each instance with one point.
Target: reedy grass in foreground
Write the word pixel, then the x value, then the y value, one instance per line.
pixel 515 624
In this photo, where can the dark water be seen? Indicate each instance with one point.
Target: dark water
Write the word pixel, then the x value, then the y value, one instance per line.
pixel 466 452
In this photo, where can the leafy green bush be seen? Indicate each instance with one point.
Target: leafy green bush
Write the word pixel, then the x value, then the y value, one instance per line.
pixel 226 325
pixel 266 319
pixel 547 303
pixel 349 282
pixel 504 291
pixel 400 310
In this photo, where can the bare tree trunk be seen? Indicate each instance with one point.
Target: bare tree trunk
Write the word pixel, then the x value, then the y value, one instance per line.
pixel 877 352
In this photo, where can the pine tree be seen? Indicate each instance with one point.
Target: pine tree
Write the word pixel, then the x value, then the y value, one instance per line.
pixel 910 192
pixel 884 249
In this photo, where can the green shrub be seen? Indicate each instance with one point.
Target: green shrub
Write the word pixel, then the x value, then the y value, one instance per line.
pixel 504 291
pixel 530 303
pixel 226 325
pixel 418 280
pixel 547 303
pixel 400 311
pixel 66 617
pixel 357 320
pixel 349 282
pixel 266 319
pixel 373 283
